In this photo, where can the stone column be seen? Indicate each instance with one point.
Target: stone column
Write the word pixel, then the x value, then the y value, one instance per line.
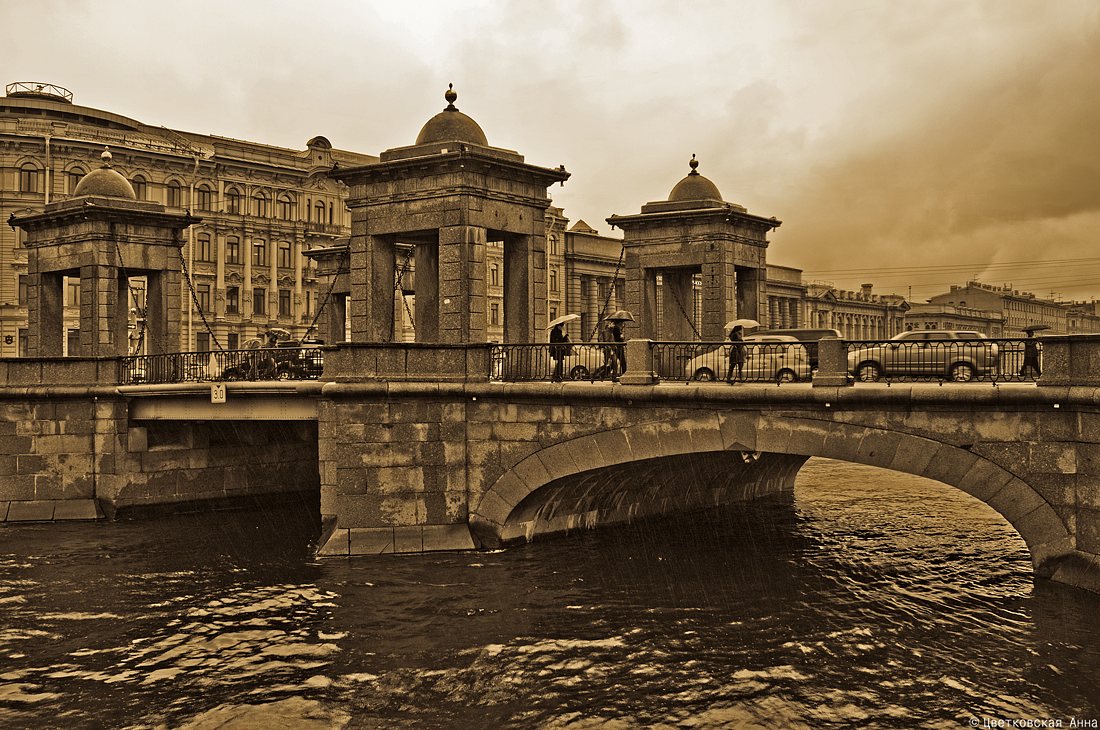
pixel 370 276
pixel 524 270
pixel 676 312
pixel 45 313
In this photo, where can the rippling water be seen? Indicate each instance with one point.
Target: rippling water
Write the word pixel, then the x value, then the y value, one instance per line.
pixel 874 600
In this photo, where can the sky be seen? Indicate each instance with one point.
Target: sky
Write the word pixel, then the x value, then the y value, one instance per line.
pixel 910 145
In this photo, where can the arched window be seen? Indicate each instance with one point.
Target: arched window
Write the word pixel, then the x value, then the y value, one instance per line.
pixel 140 187
pixel 28 178
pixel 286 208
pixel 320 218
pixel 174 195
pixel 232 201
pixel 260 205
pixel 204 197
pixel 75 176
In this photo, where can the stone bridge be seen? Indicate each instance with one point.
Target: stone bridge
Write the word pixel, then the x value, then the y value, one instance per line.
pixel 413 448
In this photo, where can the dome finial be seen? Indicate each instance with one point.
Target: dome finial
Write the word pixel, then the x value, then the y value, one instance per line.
pixel 693 163
pixel 106 156
pixel 450 96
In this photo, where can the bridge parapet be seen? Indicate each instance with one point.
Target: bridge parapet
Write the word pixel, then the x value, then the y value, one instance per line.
pixel 39 371
pixel 1071 360
pixel 401 361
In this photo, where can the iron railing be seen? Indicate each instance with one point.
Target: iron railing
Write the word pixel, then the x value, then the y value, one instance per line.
pixel 584 361
pixel 266 363
pixel 945 360
pixel 763 362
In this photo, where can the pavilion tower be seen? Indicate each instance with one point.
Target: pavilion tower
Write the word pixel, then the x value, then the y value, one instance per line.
pixel 448 196
pixel 694 236
pixel 104 237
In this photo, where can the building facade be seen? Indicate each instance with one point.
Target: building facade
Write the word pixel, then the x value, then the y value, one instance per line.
pixel 859 315
pixel 1019 309
pixel 261 207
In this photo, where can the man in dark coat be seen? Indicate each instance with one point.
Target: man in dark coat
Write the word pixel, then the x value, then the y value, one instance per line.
pixel 737 353
pixel 559 350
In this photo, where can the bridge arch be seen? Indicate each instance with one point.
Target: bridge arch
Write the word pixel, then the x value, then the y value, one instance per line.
pixel 519 504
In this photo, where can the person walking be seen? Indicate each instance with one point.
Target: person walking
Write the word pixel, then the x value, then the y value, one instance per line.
pixel 1031 356
pixel 615 327
pixel 737 354
pixel 559 350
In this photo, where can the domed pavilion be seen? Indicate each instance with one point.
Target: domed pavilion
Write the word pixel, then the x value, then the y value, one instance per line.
pixel 103 236
pixel 694 249
pixel 448 196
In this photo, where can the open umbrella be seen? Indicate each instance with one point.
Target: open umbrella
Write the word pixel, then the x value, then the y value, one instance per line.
pixel 562 320
pixel 746 323
pixel 1036 327
pixel 621 315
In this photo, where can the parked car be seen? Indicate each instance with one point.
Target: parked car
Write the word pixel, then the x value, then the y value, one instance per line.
pixel 809 336
pixel 958 355
pixel 767 357
pixel 586 362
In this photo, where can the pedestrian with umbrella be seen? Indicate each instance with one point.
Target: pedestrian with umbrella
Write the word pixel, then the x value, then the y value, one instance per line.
pixel 616 354
pixel 737 353
pixel 1031 351
pixel 560 348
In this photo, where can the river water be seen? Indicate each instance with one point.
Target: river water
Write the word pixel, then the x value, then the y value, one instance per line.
pixel 872 600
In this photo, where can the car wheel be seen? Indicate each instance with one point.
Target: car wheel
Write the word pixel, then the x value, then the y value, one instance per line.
pixel 868 372
pixel 786 375
pixel 962 372
pixel 578 372
pixel 703 375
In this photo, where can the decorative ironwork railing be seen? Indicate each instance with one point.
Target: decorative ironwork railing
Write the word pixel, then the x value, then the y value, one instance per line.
pixel 536 361
pixel 266 363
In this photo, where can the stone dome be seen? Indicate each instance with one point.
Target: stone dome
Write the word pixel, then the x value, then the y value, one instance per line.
pixel 451 125
pixel 105 182
pixel 694 187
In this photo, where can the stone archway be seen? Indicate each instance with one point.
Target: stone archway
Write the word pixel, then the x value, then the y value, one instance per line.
pixel 509 510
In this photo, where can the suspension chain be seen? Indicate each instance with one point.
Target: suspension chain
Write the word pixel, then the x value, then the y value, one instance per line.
pixel 195 299
pixel 137 304
pixel 397 289
pixel 341 269
pixel 680 306
pixel 607 300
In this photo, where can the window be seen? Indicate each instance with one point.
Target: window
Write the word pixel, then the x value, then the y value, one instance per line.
pixel 75 176
pixel 494 313
pixel 205 248
pixel 202 294
pixel 494 274
pixel 259 300
pixel 28 179
pixel 259 252
pixel 232 202
pixel 232 250
pixel 22 290
pixel 174 196
pixel 284 302
pixel 204 198
pixel 320 211
pixel 202 342
pixel 553 279
pixel 140 187
pixel 259 205
pixel 233 341
pixel 72 292
pixel 284 254
pixel 286 208
pixel 553 245
pixel 232 300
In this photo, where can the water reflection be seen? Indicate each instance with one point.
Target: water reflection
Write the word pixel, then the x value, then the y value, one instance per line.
pixel 872 599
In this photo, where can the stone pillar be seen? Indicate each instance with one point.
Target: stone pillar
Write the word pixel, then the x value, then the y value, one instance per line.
pixel 524 279
pixel 832 364
pixel 676 307
pixel 45 313
pixel 370 275
pixel 426 285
